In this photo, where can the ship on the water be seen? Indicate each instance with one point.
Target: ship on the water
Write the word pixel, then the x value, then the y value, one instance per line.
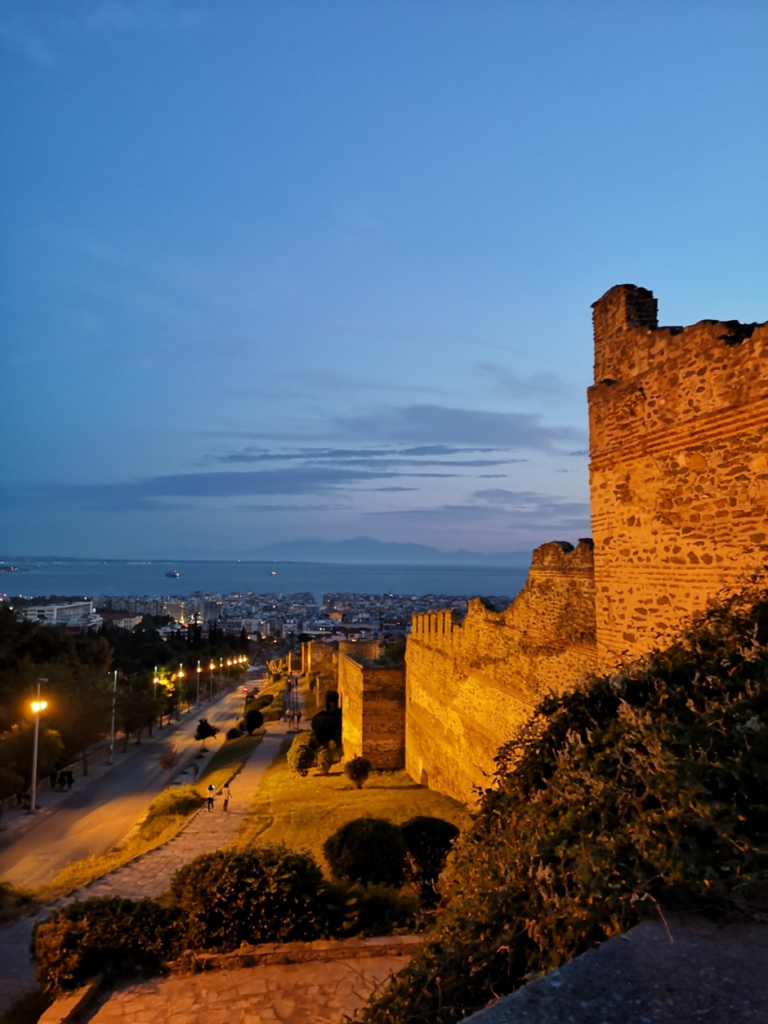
pixel 173 574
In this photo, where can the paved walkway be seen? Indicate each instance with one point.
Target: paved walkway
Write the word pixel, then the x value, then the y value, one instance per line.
pixel 296 983
pixel 150 874
pixel 205 832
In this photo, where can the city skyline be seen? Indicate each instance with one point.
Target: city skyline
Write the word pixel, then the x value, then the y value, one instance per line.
pixel 273 272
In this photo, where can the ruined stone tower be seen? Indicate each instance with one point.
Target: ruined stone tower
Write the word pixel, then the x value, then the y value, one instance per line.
pixel 678 428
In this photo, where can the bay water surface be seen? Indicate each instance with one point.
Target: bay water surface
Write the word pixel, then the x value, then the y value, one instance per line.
pixel 92 578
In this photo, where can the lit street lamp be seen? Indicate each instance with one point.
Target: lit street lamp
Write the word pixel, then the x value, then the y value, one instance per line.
pixel 37 706
pixel 199 670
pixel 178 693
pixel 210 681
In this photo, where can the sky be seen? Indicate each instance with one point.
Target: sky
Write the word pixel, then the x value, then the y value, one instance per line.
pixel 278 270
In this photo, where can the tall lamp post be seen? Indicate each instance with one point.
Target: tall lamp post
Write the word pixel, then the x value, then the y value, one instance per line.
pixel 199 670
pixel 112 727
pixel 37 706
pixel 178 695
pixel 210 681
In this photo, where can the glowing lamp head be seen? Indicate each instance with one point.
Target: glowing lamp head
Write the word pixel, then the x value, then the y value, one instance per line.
pixel 39 705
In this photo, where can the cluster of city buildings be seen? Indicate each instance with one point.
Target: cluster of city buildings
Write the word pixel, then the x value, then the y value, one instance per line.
pixel 346 616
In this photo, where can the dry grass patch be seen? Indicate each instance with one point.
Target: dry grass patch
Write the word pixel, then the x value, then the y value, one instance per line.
pixel 303 812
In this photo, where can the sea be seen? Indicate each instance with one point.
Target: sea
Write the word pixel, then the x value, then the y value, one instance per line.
pixel 96 578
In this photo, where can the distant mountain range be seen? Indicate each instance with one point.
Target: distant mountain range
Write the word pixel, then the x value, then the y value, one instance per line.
pixel 368 551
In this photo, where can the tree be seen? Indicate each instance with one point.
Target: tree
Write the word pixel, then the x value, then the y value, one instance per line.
pixel 367 850
pixel 429 841
pixel 358 770
pixel 81 696
pixel 205 731
pixel 253 720
pixel 326 728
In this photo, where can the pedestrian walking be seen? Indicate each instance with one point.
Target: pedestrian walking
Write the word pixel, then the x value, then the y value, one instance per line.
pixel 226 793
pixel 70 779
pixel 298 718
pixel 61 781
pixel 209 798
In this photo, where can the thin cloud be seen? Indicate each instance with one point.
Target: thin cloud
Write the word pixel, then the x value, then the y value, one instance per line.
pixel 426 424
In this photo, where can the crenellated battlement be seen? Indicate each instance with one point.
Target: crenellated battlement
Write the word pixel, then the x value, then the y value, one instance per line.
pixel 678 425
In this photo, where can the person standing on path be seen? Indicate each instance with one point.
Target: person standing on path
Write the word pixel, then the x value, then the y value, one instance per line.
pixel 226 793
pixel 209 798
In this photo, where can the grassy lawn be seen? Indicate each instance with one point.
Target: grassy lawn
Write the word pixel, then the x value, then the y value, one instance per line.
pixel 161 826
pixel 302 813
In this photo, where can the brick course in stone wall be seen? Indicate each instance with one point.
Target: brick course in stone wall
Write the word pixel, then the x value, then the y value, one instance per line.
pixel 679 493
pixel 678 423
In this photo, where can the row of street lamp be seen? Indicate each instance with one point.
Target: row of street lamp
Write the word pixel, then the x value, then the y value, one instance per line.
pixel 38 705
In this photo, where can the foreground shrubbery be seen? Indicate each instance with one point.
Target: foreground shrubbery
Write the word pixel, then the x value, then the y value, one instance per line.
pixel 266 895
pixel 110 936
pixel 635 792
pixel 218 901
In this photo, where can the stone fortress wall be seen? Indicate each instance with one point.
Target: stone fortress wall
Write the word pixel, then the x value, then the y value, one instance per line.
pixel 678 423
pixel 470 683
pixel 372 700
pixel 679 492
pixel 678 426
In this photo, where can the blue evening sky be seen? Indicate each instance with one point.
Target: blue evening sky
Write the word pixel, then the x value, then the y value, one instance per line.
pixel 276 270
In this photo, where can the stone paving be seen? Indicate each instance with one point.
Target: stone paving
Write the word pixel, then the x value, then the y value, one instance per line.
pixel 205 832
pixel 149 875
pixel 318 992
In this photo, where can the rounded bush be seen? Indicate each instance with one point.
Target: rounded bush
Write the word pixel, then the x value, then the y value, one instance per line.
pixel 428 841
pixel 325 760
pixel 367 850
pixel 109 936
pixel 369 910
pixel 326 728
pixel 181 800
pixel 268 894
pixel 301 756
pixel 253 720
pixel 357 770
pixel 234 733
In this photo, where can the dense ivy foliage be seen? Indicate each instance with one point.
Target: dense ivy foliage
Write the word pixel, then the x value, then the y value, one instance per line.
pixel 635 793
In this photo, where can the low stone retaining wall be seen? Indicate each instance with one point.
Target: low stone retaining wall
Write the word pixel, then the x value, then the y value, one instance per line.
pixel 296 953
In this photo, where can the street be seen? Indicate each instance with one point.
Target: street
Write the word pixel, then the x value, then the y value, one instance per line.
pixel 99 812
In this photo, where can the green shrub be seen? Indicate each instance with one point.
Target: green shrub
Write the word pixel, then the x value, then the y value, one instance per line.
pixel 253 720
pixel 428 841
pixel 357 770
pixel 181 800
pixel 234 733
pixel 325 760
pixel 326 728
pixel 260 702
pixel 268 894
pixel 367 910
pixel 367 850
pixel 112 936
pixel 634 791
pixel 301 756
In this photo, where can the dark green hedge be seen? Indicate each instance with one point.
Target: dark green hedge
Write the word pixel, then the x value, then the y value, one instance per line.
pixel 111 936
